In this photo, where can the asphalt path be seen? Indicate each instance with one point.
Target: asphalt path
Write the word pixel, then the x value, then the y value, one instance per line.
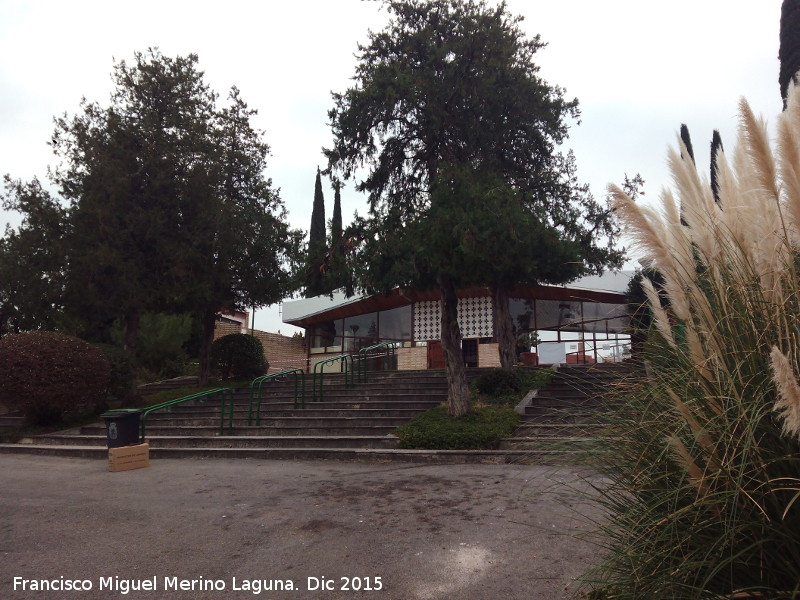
pixel 233 529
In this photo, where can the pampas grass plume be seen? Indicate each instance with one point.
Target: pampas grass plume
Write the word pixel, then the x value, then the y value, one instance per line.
pixel 788 403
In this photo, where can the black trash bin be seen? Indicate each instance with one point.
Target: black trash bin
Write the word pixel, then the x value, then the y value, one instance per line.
pixel 122 427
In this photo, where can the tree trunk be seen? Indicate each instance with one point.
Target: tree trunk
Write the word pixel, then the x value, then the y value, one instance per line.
pixel 457 389
pixel 504 329
pixel 204 358
pixel 132 333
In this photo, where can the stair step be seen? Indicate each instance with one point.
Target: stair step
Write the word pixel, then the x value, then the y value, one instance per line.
pixel 353 454
pixel 241 441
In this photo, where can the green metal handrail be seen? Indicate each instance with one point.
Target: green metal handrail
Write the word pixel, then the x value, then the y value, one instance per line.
pixel 348 373
pixel 260 381
pixel 224 392
pixel 362 360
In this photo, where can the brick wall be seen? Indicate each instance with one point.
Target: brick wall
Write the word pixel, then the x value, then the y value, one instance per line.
pixel 488 355
pixel 282 352
pixel 409 359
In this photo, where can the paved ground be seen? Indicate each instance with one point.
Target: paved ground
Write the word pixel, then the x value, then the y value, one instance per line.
pixel 408 531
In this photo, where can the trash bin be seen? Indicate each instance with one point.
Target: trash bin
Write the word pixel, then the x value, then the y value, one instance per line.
pixel 122 427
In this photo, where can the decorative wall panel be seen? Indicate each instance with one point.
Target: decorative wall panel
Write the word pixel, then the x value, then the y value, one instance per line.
pixel 427 320
pixel 474 319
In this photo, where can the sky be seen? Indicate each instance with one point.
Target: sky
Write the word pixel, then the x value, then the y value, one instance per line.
pixel 638 68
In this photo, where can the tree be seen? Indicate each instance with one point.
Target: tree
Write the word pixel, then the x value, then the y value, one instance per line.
pixel 127 170
pixel 336 221
pixel 32 260
pixel 170 208
pixel 789 49
pixel 242 252
pixel 317 244
pixel 457 132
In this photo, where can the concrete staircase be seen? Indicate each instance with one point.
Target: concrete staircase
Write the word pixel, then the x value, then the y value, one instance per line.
pixel 355 423
pixel 349 422
pixel 564 419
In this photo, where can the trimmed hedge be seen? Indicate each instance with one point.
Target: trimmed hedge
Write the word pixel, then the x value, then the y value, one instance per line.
pixel 480 429
pixel 238 355
pixel 49 376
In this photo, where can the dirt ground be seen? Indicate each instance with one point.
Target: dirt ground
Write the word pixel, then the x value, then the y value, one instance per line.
pixel 233 529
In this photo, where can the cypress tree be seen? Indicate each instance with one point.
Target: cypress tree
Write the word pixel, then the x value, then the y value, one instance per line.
pixel 336 222
pixel 317 244
pixel 789 49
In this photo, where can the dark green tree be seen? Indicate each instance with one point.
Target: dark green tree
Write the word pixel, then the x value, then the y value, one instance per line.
pixel 128 171
pixel 336 221
pixel 716 147
pixel 242 253
pixel 170 208
pixel 317 244
pixel 789 49
pixel 458 133
pixel 32 260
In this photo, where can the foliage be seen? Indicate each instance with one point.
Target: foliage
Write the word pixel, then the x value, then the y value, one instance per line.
pixel 501 387
pixel 160 342
pixel 457 132
pixel 317 244
pixel 170 208
pixel 704 466
pixel 497 381
pixel 32 260
pixel 481 428
pixel 238 355
pixel 122 374
pixel 49 375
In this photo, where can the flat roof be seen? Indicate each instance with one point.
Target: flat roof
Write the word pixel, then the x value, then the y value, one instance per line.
pixel 607 288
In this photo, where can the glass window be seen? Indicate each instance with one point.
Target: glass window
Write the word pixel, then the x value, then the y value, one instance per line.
pixel 326 334
pixel 599 316
pixel 558 314
pixel 521 314
pixel 395 324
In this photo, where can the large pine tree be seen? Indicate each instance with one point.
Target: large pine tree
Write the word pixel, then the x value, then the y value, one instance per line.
pixel 458 131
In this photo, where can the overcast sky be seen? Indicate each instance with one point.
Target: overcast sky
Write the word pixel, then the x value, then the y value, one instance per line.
pixel 638 68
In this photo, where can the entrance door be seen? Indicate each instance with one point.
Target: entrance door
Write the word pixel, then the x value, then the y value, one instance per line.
pixel 435 355
pixel 469 348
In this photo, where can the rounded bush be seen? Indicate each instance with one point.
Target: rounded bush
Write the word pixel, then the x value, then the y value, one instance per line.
pixel 498 382
pixel 238 355
pixel 49 376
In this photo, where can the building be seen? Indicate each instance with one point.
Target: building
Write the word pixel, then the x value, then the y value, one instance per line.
pixel 587 321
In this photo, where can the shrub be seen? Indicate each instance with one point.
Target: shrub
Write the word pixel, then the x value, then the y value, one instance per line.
pixel 160 345
pixel 238 355
pixel 49 376
pixel 480 429
pixel 704 469
pixel 506 388
pixel 497 382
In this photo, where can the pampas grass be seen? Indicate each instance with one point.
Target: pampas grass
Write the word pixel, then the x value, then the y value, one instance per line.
pixel 704 464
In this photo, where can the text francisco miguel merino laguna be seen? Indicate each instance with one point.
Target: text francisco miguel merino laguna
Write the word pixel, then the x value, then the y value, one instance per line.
pixel 200 584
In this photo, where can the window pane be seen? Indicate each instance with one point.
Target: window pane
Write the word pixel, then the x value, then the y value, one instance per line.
pixel 395 324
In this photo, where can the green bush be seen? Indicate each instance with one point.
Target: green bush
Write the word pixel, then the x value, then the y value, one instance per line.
pixel 506 388
pixel 123 375
pixel 497 382
pixel 160 345
pixel 480 429
pixel 50 376
pixel 238 355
